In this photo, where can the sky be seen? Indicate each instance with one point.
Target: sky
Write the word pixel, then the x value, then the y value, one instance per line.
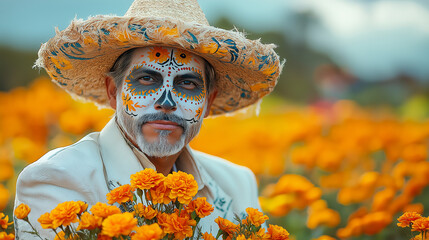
pixel 374 39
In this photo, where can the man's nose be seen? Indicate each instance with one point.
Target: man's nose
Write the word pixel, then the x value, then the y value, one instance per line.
pixel 165 102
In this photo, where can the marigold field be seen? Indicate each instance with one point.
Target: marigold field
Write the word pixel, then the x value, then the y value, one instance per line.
pixel 335 170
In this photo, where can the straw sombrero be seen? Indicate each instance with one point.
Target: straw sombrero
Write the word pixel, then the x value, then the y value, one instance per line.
pixel 79 57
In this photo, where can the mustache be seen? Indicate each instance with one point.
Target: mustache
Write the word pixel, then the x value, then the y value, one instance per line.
pixel 162 116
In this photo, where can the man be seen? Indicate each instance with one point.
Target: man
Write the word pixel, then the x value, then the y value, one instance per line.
pixel 163 69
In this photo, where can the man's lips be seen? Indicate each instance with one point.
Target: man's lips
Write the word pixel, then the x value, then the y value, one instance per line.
pixel 163 125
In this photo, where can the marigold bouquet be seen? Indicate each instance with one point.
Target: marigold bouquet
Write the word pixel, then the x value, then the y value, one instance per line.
pixel 152 206
pixel 417 223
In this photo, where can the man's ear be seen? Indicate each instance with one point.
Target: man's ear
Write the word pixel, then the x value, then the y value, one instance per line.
pixel 111 91
pixel 210 100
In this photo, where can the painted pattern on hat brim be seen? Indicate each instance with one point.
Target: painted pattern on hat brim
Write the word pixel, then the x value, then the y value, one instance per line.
pixel 79 57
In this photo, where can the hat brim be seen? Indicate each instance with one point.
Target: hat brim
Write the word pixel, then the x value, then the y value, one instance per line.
pixel 79 57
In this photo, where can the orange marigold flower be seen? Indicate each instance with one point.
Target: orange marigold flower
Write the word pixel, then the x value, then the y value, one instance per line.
pixel 208 236
pixel 103 210
pixel 182 186
pixel 148 232
pixel 119 224
pixel 22 211
pixel 406 219
pixel 241 237
pixel 45 221
pixel 4 220
pixel 260 234
pixel 146 179
pixel 120 194
pixel 226 225
pixel 277 233
pixel 421 224
pixel 89 221
pixel 201 207
pixel 65 213
pixel 5 236
pixel 255 216
pixel 159 194
pixel 61 236
pixel 163 218
pixel 180 226
pixel 158 54
pixel 83 206
pixel 146 212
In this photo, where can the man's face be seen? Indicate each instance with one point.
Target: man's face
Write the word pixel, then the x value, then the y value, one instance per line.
pixel 162 100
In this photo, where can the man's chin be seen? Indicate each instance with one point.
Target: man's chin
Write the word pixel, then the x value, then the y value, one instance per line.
pixel 161 147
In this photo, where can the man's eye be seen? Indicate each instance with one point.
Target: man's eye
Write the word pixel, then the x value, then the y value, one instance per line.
pixel 186 84
pixel 146 80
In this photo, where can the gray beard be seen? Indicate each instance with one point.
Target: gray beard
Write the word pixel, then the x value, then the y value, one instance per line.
pixel 160 148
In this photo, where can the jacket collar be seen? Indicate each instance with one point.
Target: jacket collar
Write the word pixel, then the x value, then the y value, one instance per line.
pixel 119 160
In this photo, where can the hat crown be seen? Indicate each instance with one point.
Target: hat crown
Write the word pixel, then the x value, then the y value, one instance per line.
pixel 184 10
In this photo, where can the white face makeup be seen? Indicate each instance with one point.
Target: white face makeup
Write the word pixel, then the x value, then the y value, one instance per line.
pixel 163 98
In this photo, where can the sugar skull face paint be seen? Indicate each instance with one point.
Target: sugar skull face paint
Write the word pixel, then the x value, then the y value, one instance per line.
pixel 163 99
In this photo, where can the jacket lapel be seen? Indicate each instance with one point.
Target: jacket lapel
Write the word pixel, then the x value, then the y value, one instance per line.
pixel 118 158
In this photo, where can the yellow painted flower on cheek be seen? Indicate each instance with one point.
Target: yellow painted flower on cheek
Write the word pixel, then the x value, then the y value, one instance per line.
pixel 127 102
pixel 119 224
pixel 158 54
pixel 22 211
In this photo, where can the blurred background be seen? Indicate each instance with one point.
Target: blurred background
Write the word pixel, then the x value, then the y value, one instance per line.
pixel 350 108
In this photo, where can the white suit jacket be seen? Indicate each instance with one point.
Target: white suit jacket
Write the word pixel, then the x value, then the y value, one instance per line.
pixel 84 170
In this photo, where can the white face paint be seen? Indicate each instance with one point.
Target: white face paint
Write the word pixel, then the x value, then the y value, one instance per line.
pixel 163 99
